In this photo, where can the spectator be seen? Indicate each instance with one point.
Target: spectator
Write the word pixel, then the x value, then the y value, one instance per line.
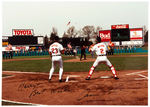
pixel 130 48
pixel 10 51
pixel 134 48
pixel 4 53
pixel 126 49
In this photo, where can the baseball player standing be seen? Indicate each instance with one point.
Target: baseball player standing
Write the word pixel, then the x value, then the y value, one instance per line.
pixel 55 51
pixel 100 50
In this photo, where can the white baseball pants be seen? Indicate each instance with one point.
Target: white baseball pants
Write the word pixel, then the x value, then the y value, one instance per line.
pixel 102 59
pixel 56 60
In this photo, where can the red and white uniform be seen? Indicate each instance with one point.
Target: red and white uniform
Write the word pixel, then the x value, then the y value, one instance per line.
pixel 55 50
pixel 100 50
pixel 111 44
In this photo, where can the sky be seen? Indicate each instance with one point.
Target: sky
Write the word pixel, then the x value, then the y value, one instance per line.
pixel 42 16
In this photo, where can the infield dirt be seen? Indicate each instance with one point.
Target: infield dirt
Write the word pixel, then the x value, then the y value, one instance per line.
pixel 35 88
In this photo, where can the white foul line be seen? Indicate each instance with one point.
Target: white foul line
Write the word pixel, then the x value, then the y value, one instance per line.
pixel 137 73
pixel 28 72
pixel 143 76
pixel 67 78
pixel 139 78
pixel 9 76
pixel 18 102
pixel 134 73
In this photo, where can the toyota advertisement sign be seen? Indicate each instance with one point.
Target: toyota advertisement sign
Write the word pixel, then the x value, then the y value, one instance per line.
pixel 22 32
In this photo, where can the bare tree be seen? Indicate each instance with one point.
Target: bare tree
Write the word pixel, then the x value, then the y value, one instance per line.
pixel 145 33
pixel 96 32
pixel 71 32
pixel 65 34
pixel 46 42
pixel 53 34
pixel 144 29
pixel 88 30
pixel 54 31
pixel 80 33
pixel 98 29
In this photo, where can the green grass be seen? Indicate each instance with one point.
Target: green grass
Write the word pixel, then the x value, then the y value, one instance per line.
pixel 142 53
pixel 130 63
pixel 31 66
pixel 120 63
pixel 18 57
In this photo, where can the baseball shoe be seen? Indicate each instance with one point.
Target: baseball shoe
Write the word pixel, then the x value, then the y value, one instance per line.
pixel 49 80
pixel 116 78
pixel 88 78
pixel 60 80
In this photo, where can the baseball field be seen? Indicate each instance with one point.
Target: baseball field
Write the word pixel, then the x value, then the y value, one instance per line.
pixel 25 81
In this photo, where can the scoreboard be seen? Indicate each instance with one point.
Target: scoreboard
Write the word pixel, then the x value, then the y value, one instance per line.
pixel 25 37
pixel 120 33
pixel 22 40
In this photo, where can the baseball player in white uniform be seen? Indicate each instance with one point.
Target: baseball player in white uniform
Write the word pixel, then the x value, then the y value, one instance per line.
pixel 100 50
pixel 55 51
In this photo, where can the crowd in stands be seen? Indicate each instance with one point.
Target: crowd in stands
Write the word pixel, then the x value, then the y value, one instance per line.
pixel 8 54
pixel 69 51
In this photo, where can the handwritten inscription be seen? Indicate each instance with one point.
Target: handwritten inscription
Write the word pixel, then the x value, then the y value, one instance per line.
pixel 28 85
pixel 88 94
pixel 37 89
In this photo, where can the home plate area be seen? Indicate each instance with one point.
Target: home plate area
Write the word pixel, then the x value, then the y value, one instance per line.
pixel 72 78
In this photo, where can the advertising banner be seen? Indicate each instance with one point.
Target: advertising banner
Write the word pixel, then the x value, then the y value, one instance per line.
pixel 40 40
pixel 133 43
pixel 22 32
pixel 136 34
pixel 20 47
pixel 105 35
pixel 123 26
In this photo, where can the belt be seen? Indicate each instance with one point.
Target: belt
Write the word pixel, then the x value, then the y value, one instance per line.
pixel 56 55
pixel 101 55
